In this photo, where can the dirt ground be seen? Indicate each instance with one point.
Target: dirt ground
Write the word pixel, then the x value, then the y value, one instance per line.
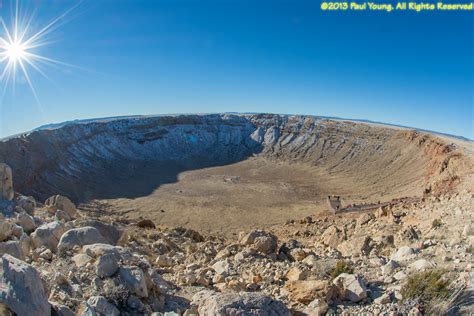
pixel 255 193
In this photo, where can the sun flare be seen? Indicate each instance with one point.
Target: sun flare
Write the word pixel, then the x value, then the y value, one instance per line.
pixel 17 48
pixel 15 51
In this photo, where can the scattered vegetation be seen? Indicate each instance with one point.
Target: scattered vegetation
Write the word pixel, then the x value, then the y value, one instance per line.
pixel 427 287
pixel 341 267
pixel 470 250
pixel 436 223
pixel 116 293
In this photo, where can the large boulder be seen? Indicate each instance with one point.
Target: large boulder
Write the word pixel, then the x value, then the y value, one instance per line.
pixel 106 265
pixel 21 288
pixel 80 237
pixel 306 291
pixel 109 231
pixel 134 280
pixel 27 204
pixel 261 241
pixel 420 265
pixel 6 229
pixel 101 306
pixel 59 202
pixel 238 304
pixel 350 287
pixel 6 183
pixel 333 236
pixel 97 250
pixel 13 248
pixel 26 221
pixel 403 254
pixel 48 235
pixel 61 310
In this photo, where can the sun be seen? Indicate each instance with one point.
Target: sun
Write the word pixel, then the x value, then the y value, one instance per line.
pixel 18 45
pixel 15 51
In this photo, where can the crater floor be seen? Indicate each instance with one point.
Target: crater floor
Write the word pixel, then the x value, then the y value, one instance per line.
pixel 254 193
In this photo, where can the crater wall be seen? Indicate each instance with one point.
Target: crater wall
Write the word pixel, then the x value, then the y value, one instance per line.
pixel 93 160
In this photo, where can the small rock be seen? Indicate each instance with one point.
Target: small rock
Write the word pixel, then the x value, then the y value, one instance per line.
pixel 364 219
pixel 468 230
pixel 420 265
pixel 102 306
pixel 5 229
pixel 48 235
pixel 62 216
pixel 106 265
pixel 26 221
pixel 134 279
pixel 400 275
pixel 383 299
pixel 390 267
pixel 27 203
pixel 403 253
pixel 61 310
pixel 306 291
pixel 46 254
pixel 317 307
pixel 59 202
pixel 13 248
pixel 310 260
pixel 81 259
pixel 297 273
pixel 221 267
pixel 333 236
pixel 261 241
pixel 350 287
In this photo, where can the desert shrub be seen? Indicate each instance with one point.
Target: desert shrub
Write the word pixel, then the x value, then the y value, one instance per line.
pixel 115 293
pixel 341 267
pixel 436 223
pixel 426 287
pixel 470 250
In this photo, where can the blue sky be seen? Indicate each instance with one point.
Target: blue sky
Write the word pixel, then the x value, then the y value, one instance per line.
pixel 176 56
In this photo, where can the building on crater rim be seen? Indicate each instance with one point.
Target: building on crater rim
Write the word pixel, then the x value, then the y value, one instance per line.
pixel 334 203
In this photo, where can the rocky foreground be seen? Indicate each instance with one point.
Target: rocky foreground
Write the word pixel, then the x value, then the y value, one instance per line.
pixel 408 258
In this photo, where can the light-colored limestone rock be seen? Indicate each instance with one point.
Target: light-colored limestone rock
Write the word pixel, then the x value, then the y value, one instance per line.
pixel 333 236
pixel 6 183
pixel 13 248
pixel 350 287
pixel 80 237
pixel 59 202
pixel 403 254
pixel 306 291
pixel 48 235
pixel 106 265
pixel 27 203
pixel 6 229
pixel 420 265
pixel 134 279
pixel 22 289
pixel 26 221
pixel 102 307
pixel 261 241
pixel 389 267
pixel 297 273
pixel 244 303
